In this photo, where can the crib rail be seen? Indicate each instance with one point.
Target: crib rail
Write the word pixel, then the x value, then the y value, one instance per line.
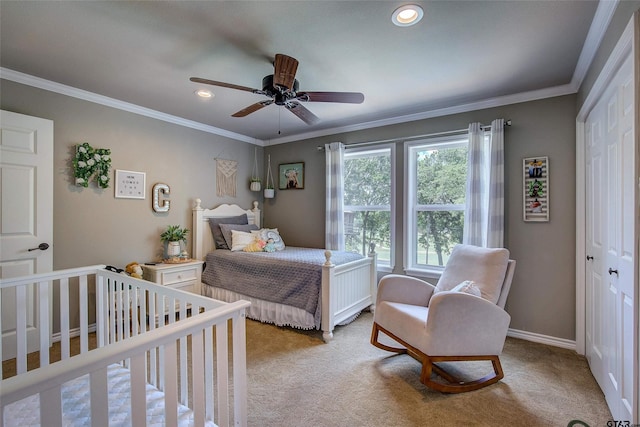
pixel 152 330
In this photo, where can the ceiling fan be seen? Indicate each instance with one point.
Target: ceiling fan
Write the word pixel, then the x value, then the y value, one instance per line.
pixel 282 88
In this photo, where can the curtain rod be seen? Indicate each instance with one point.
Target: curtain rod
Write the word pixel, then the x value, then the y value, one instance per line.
pixel 411 138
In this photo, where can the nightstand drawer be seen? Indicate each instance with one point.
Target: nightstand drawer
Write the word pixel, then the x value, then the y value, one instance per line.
pixel 192 286
pixel 171 277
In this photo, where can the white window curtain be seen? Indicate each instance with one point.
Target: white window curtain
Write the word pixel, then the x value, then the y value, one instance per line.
pixel 484 211
pixel 334 216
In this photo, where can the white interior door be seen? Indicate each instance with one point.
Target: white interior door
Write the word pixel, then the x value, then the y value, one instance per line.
pixel 26 214
pixel 611 236
pixel 595 223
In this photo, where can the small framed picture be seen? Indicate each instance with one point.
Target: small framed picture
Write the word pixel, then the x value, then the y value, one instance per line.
pixel 291 176
pixel 130 185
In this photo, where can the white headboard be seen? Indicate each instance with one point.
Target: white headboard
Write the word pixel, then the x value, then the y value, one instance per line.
pixel 202 239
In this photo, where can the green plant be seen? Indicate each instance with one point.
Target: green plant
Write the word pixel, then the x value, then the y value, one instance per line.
pixel 91 163
pixel 174 233
pixel 256 180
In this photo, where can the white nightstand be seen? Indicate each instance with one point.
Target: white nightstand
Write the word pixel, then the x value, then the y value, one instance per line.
pixel 185 276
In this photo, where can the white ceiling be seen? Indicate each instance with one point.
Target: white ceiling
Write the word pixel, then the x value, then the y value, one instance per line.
pixel 462 55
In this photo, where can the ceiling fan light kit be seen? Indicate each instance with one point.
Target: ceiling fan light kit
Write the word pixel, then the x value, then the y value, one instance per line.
pixel 282 89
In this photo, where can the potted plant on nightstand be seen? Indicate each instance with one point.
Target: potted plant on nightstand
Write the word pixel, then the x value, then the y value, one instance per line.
pixel 172 237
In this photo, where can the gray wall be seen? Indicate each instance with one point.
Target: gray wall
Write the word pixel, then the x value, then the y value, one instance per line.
pixel 542 298
pixel 90 225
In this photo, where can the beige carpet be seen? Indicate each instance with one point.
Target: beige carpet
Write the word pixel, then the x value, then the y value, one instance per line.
pixel 297 380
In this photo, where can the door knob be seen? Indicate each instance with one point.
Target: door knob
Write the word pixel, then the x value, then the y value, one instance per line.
pixel 589 257
pixel 611 271
pixel 41 246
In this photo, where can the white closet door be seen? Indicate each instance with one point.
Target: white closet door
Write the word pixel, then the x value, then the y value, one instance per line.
pixel 611 300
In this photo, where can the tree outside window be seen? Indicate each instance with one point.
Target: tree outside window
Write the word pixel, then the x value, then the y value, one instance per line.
pixel 437 173
pixel 367 201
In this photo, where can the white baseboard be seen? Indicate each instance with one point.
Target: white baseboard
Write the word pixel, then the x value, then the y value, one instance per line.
pixel 75 332
pixel 542 339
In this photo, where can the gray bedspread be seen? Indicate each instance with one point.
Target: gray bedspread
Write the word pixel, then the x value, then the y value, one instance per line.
pixel 292 276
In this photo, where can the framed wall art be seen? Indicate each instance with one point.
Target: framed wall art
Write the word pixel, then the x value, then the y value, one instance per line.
pixel 535 191
pixel 291 176
pixel 130 185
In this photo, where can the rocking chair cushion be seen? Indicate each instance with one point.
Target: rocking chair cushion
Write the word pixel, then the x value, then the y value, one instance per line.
pixel 487 266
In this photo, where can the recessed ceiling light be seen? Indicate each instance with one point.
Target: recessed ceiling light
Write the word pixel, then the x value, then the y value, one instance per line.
pixel 406 15
pixel 202 93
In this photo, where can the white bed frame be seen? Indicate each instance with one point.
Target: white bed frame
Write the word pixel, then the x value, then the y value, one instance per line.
pixel 347 289
pixel 133 330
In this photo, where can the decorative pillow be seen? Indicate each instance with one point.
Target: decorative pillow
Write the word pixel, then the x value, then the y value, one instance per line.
pixel 271 233
pixel 240 240
pixel 226 230
pixel 468 287
pixel 256 246
pixel 487 267
pixel 214 224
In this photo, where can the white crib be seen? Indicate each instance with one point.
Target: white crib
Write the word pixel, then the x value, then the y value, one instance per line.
pixel 168 349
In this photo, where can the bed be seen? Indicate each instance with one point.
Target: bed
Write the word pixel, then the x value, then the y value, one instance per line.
pixel 344 284
pixel 152 356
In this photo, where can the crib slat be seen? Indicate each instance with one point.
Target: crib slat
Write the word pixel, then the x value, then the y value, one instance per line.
pixel 197 368
pixel 64 319
pixel 101 310
pixel 44 296
pixel 51 407
pixel 153 357
pixel 112 310
pixel 170 386
pixel 118 311
pixel 222 370
pixel 208 372
pixel 84 315
pixel 138 391
pixel 239 329
pixel 135 321
pixel 21 330
pixel 99 397
pixel 125 310
pixel 184 383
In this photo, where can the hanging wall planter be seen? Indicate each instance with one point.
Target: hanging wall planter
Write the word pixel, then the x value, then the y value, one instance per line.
pixel 256 183
pixel 269 192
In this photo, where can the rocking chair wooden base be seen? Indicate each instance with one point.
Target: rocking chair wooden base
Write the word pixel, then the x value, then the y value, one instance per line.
pixel 455 385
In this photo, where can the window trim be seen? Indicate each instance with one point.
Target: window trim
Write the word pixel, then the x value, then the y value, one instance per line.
pixel 410 204
pixel 391 147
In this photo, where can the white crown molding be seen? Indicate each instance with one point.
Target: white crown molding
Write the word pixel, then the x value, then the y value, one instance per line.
pixel 73 92
pixel 463 108
pixel 598 28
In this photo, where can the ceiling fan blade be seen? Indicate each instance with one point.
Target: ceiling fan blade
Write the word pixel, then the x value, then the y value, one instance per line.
pixel 222 84
pixel 344 97
pixel 285 68
pixel 252 108
pixel 305 115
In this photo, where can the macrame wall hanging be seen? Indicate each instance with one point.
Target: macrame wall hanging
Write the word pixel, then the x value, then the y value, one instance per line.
pixel 226 173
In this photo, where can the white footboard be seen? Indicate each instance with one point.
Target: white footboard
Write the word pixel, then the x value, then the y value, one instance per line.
pixel 135 330
pixel 347 289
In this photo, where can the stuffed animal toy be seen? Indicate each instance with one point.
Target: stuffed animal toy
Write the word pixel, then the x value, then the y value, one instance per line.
pixel 256 246
pixel 270 246
pixel 134 270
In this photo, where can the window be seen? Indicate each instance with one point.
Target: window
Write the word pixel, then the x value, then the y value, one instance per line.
pixel 436 175
pixel 368 193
